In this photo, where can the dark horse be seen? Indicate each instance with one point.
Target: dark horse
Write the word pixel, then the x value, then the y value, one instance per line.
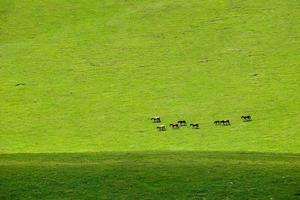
pixel 195 126
pixel 181 122
pixel 222 122
pixel 156 119
pixel 217 122
pixel 174 125
pixel 246 118
pixel 161 128
pixel 225 122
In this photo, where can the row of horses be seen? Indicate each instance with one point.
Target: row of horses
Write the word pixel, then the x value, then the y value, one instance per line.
pixel 176 126
pixel 181 123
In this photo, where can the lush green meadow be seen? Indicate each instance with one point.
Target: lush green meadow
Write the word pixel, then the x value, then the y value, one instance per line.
pixel 87 76
pixel 144 175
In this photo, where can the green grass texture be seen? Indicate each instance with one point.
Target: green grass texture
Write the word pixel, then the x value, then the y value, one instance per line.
pixel 80 80
pixel 92 75
pixel 150 175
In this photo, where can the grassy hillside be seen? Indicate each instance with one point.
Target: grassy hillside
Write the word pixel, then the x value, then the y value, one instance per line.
pixel 95 72
pixel 87 76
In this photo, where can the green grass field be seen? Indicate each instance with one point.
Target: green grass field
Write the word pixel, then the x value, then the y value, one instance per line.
pixel 80 80
pixel 144 175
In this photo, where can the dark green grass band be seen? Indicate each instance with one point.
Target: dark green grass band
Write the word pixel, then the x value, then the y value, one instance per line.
pixel 150 175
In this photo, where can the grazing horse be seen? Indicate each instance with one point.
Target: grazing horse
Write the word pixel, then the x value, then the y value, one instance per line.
pixel 217 122
pixel 225 122
pixel 156 119
pixel 175 126
pixel 161 128
pixel 195 126
pixel 246 118
pixel 182 122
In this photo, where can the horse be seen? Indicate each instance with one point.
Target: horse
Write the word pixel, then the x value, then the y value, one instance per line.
pixel 156 119
pixel 246 118
pixel 181 122
pixel 195 126
pixel 161 128
pixel 175 126
pixel 217 122
pixel 225 122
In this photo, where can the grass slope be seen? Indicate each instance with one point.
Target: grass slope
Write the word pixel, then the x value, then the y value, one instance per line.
pixel 156 175
pixel 78 76
pixel 95 72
